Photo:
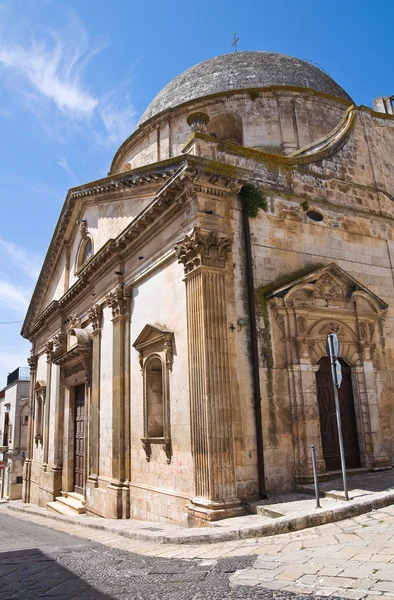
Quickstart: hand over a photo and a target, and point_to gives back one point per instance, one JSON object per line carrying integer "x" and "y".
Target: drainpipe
{"x": 255, "y": 353}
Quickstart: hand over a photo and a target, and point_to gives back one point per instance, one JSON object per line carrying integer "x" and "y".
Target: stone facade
{"x": 14, "y": 416}
{"x": 196, "y": 331}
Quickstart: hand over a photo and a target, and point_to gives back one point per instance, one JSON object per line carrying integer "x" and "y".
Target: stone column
{"x": 32, "y": 361}
{"x": 95, "y": 316}
{"x": 59, "y": 346}
{"x": 375, "y": 456}
{"x": 118, "y": 300}
{"x": 49, "y": 348}
{"x": 203, "y": 255}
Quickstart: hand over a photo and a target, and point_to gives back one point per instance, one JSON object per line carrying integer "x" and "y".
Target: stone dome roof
{"x": 241, "y": 70}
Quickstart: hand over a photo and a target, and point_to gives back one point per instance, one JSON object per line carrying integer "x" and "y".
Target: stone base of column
{"x": 306, "y": 474}
{"x": 203, "y": 509}
{"x": 115, "y": 500}
{"x": 92, "y": 480}
{"x": 380, "y": 462}
{"x": 126, "y": 500}
{"x": 26, "y": 481}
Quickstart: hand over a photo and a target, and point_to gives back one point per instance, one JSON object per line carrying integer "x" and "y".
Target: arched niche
{"x": 154, "y": 391}
{"x": 227, "y": 127}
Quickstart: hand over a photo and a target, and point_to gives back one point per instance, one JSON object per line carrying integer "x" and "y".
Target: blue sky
{"x": 75, "y": 75}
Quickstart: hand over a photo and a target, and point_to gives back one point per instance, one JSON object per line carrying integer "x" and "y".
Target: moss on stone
{"x": 264, "y": 291}
{"x": 253, "y": 198}
{"x": 304, "y": 205}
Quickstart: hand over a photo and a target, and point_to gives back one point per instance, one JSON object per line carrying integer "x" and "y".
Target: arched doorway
{"x": 328, "y": 422}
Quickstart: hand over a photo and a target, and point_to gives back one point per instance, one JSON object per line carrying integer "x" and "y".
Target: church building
{"x": 178, "y": 325}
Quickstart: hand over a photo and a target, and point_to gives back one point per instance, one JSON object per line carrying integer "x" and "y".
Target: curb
{"x": 187, "y": 537}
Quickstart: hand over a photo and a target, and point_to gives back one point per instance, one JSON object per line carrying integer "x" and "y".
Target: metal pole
{"x": 315, "y": 477}
{"x": 341, "y": 450}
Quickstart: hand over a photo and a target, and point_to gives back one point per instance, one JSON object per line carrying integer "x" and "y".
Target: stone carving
{"x": 198, "y": 121}
{"x": 206, "y": 248}
{"x": 168, "y": 352}
{"x": 75, "y": 369}
{"x": 83, "y": 226}
{"x": 95, "y": 315}
{"x": 32, "y": 362}
{"x": 301, "y": 324}
{"x": 281, "y": 323}
{"x": 305, "y": 345}
{"x": 49, "y": 350}
{"x": 117, "y": 300}
{"x": 327, "y": 287}
{"x": 363, "y": 330}
{"x": 59, "y": 342}
{"x": 147, "y": 449}
{"x": 73, "y": 321}
{"x": 168, "y": 451}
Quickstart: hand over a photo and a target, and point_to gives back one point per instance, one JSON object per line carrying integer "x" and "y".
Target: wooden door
{"x": 79, "y": 439}
{"x": 328, "y": 420}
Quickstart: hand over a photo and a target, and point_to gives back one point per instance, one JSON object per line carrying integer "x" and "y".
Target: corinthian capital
{"x": 118, "y": 300}
{"x": 32, "y": 362}
{"x": 95, "y": 316}
{"x": 207, "y": 248}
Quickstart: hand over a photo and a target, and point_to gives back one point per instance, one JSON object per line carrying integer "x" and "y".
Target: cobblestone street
{"x": 43, "y": 558}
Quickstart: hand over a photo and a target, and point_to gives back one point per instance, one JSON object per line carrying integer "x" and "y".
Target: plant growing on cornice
{"x": 304, "y": 205}
{"x": 253, "y": 198}
{"x": 253, "y": 95}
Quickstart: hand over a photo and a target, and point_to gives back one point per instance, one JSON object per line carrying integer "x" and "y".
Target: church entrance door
{"x": 328, "y": 422}
{"x": 79, "y": 439}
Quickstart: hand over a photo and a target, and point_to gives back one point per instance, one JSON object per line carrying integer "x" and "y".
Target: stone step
{"x": 61, "y": 508}
{"x": 264, "y": 511}
{"x": 72, "y": 503}
{"x": 76, "y": 496}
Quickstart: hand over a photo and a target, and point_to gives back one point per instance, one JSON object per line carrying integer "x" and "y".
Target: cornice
{"x": 158, "y": 172}
{"x": 184, "y": 182}
{"x": 224, "y": 96}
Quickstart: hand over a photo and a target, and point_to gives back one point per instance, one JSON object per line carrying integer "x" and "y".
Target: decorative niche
{"x": 39, "y": 393}
{"x": 155, "y": 351}
{"x": 85, "y": 250}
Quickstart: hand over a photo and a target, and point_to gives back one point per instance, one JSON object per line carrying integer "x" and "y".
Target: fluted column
{"x": 59, "y": 346}
{"x": 119, "y": 300}
{"x": 49, "y": 348}
{"x": 95, "y": 316}
{"x": 32, "y": 362}
{"x": 203, "y": 255}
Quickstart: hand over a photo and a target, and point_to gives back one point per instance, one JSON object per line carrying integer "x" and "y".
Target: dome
{"x": 241, "y": 70}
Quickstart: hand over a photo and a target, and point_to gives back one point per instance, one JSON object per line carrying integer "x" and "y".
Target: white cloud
{"x": 14, "y": 297}
{"x": 53, "y": 67}
{"x": 19, "y": 260}
{"x": 19, "y": 269}
{"x": 64, "y": 165}
{"x": 117, "y": 114}
{"x": 47, "y": 72}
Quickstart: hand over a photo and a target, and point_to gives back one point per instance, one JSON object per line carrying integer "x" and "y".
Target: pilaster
{"x": 49, "y": 349}
{"x": 95, "y": 317}
{"x": 203, "y": 255}
{"x": 32, "y": 362}
{"x": 119, "y": 300}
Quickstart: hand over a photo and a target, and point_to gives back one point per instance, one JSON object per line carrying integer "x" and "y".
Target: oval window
{"x": 313, "y": 215}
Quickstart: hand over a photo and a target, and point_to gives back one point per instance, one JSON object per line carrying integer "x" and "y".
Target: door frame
{"x": 354, "y": 403}
{"x": 82, "y": 488}
{"x": 69, "y": 432}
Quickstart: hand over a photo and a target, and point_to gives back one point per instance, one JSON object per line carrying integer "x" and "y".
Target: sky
{"x": 75, "y": 75}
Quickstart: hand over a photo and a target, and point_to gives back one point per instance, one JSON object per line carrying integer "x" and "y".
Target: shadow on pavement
{"x": 31, "y": 574}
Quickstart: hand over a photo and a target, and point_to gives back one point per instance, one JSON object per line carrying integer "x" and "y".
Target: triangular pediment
{"x": 152, "y": 334}
{"x": 329, "y": 284}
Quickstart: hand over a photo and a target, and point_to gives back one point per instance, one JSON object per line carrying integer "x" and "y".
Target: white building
{"x": 14, "y": 417}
